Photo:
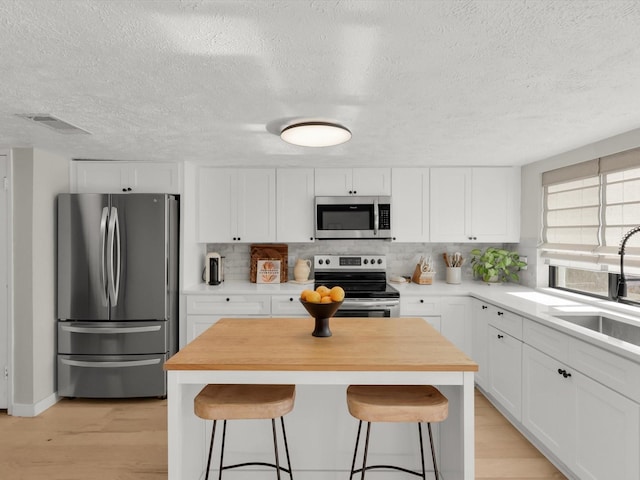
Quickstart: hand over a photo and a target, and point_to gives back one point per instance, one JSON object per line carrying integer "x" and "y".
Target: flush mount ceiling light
{"x": 315, "y": 134}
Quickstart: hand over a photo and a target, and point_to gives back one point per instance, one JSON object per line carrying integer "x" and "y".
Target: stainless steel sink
{"x": 607, "y": 326}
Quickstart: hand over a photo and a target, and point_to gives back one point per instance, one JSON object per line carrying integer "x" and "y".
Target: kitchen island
{"x": 397, "y": 351}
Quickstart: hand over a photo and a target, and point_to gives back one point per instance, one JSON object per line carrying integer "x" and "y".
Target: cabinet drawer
{"x": 547, "y": 340}
{"x": 506, "y": 321}
{"x": 229, "y": 304}
{"x": 607, "y": 368}
{"x": 419, "y": 306}
{"x": 287, "y": 305}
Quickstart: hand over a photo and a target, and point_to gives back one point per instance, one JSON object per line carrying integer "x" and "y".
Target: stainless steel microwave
{"x": 353, "y": 217}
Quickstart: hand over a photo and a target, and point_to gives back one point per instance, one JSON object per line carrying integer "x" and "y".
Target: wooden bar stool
{"x": 396, "y": 403}
{"x": 234, "y": 402}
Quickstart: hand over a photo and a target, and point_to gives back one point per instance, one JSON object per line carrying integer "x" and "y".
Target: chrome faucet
{"x": 622, "y": 282}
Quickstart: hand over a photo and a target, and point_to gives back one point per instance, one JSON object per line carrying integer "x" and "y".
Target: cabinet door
{"x": 100, "y": 177}
{"x": 456, "y": 322}
{"x": 154, "y": 177}
{"x": 410, "y": 205}
{"x": 215, "y": 205}
{"x": 295, "y": 205}
{"x": 449, "y": 204}
{"x": 479, "y": 338}
{"x": 495, "y": 204}
{"x": 333, "y": 181}
{"x": 547, "y": 403}
{"x": 607, "y": 432}
{"x": 371, "y": 181}
{"x": 505, "y": 374}
{"x": 256, "y": 200}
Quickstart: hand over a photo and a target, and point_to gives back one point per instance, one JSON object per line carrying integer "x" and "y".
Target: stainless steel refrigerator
{"x": 117, "y": 293}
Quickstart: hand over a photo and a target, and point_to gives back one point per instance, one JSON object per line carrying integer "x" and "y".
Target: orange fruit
{"x": 304, "y": 294}
{"x": 323, "y": 291}
{"x": 337, "y": 294}
{"x": 326, "y": 299}
{"x": 313, "y": 297}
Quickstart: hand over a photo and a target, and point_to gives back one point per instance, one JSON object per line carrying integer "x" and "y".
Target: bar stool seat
{"x": 396, "y": 403}
{"x": 244, "y": 402}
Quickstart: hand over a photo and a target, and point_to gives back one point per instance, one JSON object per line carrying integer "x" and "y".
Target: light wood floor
{"x": 127, "y": 440}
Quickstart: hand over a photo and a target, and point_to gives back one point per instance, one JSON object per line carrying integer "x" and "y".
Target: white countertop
{"x": 536, "y": 304}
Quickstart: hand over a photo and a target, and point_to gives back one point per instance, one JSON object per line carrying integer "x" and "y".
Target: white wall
{"x": 38, "y": 177}
{"x": 531, "y": 208}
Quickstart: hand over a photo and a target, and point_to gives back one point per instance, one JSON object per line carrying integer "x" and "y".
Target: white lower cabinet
{"x": 456, "y": 322}
{"x": 589, "y": 427}
{"x": 423, "y": 306}
{"x": 205, "y": 310}
{"x": 287, "y": 306}
{"x": 505, "y": 380}
{"x": 480, "y": 312}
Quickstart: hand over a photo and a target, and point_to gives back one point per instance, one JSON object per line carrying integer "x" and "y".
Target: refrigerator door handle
{"x": 113, "y": 246}
{"x": 103, "y": 270}
{"x": 102, "y": 330}
{"x": 132, "y": 363}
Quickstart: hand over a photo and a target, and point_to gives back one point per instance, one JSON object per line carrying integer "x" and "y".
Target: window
{"x": 588, "y": 209}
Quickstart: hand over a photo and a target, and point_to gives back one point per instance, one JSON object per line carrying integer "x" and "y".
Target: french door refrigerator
{"x": 117, "y": 293}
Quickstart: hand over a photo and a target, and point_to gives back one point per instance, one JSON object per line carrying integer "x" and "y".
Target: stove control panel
{"x": 350, "y": 262}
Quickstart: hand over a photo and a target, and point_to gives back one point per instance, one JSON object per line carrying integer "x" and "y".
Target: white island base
{"x": 320, "y": 431}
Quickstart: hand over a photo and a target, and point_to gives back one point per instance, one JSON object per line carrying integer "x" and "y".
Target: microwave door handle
{"x": 376, "y": 218}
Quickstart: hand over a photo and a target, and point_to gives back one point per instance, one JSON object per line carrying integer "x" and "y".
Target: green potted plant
{"x": 496, "y": 264}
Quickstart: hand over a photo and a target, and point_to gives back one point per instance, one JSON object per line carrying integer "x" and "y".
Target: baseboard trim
{"x": 34, "y": 409}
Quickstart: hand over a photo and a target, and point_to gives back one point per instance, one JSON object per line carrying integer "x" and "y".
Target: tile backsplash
{"x": 401, "y": 257}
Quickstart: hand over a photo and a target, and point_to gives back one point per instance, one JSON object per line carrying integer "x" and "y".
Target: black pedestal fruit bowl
{"x": 322, "y": 312}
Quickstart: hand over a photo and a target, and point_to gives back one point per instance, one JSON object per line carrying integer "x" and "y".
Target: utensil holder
{"x": 454, "y": 275}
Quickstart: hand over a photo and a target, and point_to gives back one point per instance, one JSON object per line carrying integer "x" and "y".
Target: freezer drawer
{"x": 113, "y": 338}
{"x": 111, "y": 376}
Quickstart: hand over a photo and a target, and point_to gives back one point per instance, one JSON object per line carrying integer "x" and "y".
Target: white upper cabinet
{"x": 295, "y": 204}
{"x": 480, "y": 204}
{"x": 125, "y": 177}
{"x": 410, "y": 204}
{"x": 236, "y": 205}
{"x": 352, "y": 181}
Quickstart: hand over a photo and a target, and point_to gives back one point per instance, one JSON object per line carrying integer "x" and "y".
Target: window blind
{"x": 588, "y": 207}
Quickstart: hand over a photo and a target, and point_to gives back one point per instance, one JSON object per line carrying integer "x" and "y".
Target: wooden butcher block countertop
{"x": 286, "y": 344}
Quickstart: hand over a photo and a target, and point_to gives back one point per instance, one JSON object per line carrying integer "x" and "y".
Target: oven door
{"x": 369, "y": 308}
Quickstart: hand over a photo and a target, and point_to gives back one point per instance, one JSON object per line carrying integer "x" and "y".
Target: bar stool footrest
{"x": 256, "y": 464}
{"x": 391, "y": 467}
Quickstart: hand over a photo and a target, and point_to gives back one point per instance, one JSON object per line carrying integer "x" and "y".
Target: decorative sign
{"x": 268, "y": 271}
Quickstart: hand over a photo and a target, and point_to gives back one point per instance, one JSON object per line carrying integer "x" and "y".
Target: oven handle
{"x": 370, "y": 303}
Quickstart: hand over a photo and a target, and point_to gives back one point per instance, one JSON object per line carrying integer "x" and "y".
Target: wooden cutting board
{"x": 269, "y": 251}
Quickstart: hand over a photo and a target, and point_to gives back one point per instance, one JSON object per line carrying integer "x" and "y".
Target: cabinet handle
{"x": 484, "y": 307}
{"x": 228, "y": 299}
{"x": 124, "y": 189}
{"x": 291, "y": 299}
{"x": 311, "y": 238}
{"x": 355, "y": 191}
{"x": 129, "y": 189}
{"x": 350, "y": 192}
{"x": 421, "y": 300}
{"x": 500, "y": 336}
{"x": 564, "y": 373}
{"x": 470, "y": 238}
{"x": 500, "y": 313}
{"x": 234, "y": 238}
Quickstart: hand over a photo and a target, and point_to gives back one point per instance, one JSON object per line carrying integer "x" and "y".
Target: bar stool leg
{"x": 433, "y": 453}
{"x": 366, "y": 451}
{"x": 424, "y": 472}
{"x": 355, "y": 450}
{"x": 275, "y": 447}
{"x": 286, "y": 447}
{"x": 224, "y": 434}
{"x": 213, "y": 432}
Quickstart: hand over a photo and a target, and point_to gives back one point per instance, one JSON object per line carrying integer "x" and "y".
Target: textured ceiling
{"x": 417, "y": 82}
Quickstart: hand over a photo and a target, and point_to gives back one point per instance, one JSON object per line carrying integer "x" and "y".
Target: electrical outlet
{"x": 525, "y": 260}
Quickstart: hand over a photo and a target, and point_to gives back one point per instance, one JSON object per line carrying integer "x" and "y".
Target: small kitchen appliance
{"x": 364, "y": 280}
{"x": 213, "y": 268}
{"x": 345, "y": 217}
